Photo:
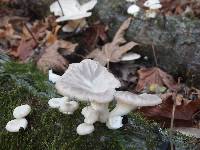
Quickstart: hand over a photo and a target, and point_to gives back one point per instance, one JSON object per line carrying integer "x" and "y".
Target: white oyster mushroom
{"x": 114, "y": 122}
{"x": 71, "y": 9}
{"x": 84, "y": 129}
{"x": 53, "y": 77}
{"x": 91, "y": 115}
{"x": 16, "y": 124}
{"x": 127, "y": 101}
{"x": 89, "y": 81}
{"x": 130, "y": 56}
{"x": 69, "y": 107}
{"x": 57, "y": 102}
{"x": 21, "y": 111}
{"x": 133, "y": 10}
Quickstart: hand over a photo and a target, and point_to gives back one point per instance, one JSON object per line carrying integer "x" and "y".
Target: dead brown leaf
{"x": 24, "y": 50}
{"x": 184, "y": 113}
{"x": 51, "y": 59}
{"x": 149, "y": 76}
{"x": 112, "y": 52}
{"x": 32, "y": 34}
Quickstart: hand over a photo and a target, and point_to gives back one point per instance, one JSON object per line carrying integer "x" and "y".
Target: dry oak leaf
{"x": 52, "y": 59}
{"x": 27, "y": 44}
{"x": 184, "y": 113}
{"x": 149, "y": 76}
{"x": 25, "y": 49}
{"x": 112, "y": 52}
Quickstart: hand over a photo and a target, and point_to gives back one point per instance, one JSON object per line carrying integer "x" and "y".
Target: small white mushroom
{"x": 114, "y": 122}
{"x": 130, "y": 56}
{"x": 133, "y": 10}
{"x": 91, "y": 115}
{"x": 84, "y": 129}
{"x": 153, "y": 6}
{"x": 16, "y": 124}
{"x": 21, "y": 111}
{"x": 69, "y": 107}
{"x": 53, "y": 77}
{"x": 127, "y": 101}
{"x": 57, "y": 102}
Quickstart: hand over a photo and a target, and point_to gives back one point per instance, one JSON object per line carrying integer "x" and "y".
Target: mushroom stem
{"x": 122, "y": 109}
{"x": 102, "y": 109}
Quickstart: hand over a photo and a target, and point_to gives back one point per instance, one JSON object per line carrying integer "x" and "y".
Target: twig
{"x": 108, "y": 65}
{"x": 60, "y": 7}
{"x": 31, "y": 33}
{"x": 154, "y": 55}
{"x": 173, "y": 114}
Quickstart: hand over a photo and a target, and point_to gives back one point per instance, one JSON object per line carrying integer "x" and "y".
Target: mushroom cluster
{"x": 89, "y": 81}
{"x": 72, "y": 11}
{"x": 19, "y": 113}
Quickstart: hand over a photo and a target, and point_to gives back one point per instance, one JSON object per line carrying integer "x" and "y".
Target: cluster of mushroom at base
{"x": 90, "y": 82}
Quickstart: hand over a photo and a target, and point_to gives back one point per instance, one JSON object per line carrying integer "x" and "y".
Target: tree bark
{"x": 176, "y": 38}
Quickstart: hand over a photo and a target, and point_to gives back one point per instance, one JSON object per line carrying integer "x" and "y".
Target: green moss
{"x": 49, "y": 129}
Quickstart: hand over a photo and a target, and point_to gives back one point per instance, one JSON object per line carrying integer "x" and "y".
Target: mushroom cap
{"x": 57, "y": 102}
{"x": 72, "y": 9}
{"x": 130, "y": 56}
{"x": 137, "y": 100}
{"x": 53, "y": 77}
{"x": 16, "y": 124}
{"x": 91, "y": 115}
{"x": 21, "y": 111}
{"x": 133, "y": 10}
{"x": 85, "y": 128}
{"x": 69, "y": 107}
{"x": 155, "y": 6}
{"x": 114, "y": 122}
{"x": 149, "y": 3}
{"x": 88, "y": 81}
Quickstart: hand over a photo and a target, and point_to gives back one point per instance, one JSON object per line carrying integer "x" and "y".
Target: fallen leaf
{"x": 112, "y": 52}
{"x": 28, "y": 43}
{"x": 7, "y": 32}
{"x": 24, "y": 50}
{"x": 149, "y": 76}
{"x": 184, "y": 113}
{"x": 52, "y": 59}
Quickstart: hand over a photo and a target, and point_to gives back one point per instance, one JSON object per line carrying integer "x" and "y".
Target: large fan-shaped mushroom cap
{"x": 88, "y": 81}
